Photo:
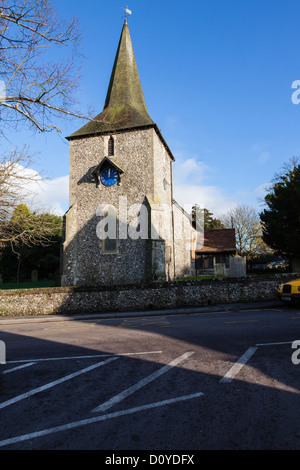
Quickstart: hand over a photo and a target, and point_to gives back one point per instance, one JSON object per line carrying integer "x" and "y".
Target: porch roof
{"x": 218, "y": 241}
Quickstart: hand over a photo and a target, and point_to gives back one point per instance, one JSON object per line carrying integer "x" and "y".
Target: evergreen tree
{"x": 32, "y": 242}
{"x": 281, "y": 218}
{"x": 210, "y": 222}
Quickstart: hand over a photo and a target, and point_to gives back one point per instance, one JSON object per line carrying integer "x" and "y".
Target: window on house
{"x": 111, "y": 147}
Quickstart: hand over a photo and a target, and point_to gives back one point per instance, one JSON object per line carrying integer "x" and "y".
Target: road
{"x": 210, "y": 380}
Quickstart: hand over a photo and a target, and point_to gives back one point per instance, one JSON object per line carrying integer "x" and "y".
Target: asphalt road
{"x": 209, "y": 380}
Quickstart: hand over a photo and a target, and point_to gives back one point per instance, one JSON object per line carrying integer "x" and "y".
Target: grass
{"x": 194, "y": 278}
{"x": 27, "y": 285}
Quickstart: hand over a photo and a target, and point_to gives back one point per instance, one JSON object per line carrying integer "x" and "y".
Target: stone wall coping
{"x": 279, "y": 278}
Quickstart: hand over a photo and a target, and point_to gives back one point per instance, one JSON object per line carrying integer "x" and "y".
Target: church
{"x": 123, "y": 225}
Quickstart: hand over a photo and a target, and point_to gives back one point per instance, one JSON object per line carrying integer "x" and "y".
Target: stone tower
{"x": 120, "y": 227}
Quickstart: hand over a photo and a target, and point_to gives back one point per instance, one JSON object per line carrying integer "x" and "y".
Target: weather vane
{"x": 127, "y": 13}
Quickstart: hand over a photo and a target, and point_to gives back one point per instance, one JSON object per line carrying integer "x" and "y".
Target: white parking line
{"x": 244, "y": 359}
{"x": 18, "y": 368}
{"x": 141, "y": 383}
{"x": 95, "y": 356}
{"x": 96, "y": 419}
{"x": 274, "y": 344}
{"x": 235, "y": 369}
{"x": 53, "y": 384}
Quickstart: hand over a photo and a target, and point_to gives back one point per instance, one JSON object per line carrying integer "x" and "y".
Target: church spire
{"x": 125, "y": 105}
{"x": 125, "y": 87}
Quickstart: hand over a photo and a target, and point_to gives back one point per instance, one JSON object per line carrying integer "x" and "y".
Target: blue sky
{"x": 217, "y": 78}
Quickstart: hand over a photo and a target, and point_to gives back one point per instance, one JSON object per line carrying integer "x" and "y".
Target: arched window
{"x": 111, "y": 147}
{"x": 110, "y": 242}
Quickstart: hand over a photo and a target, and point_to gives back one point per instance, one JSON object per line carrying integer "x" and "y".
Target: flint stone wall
{"x": 80, "y": 300}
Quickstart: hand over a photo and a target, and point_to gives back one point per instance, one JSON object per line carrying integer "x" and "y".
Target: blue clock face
{"x": 109, "y": 177}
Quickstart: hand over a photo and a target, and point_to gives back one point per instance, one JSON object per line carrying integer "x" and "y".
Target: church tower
{"x": 119, "y": 228}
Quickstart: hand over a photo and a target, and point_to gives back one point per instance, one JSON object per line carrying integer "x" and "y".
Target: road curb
{"x": 174, "y": 311}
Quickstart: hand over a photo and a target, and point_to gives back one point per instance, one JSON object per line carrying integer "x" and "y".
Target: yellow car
{"x": 289, "y": 292}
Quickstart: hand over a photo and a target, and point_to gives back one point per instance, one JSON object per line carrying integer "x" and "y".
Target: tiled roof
{"x": 218, "y": 241}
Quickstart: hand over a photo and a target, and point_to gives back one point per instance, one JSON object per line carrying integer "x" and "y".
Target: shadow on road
{"x": 50, "y": 383}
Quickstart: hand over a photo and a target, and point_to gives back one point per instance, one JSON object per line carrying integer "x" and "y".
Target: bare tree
{"x": 18, "y": 182}
{"x": 26, "y": 229}
{"x": 36, "y": 89}
{"x": 15, "y": 177}
{"x": 248, "y": 230}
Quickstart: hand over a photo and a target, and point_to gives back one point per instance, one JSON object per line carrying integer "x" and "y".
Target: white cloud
{"x": 208, "y": 197}
{"x": 53, "y": 195}
{"x": 260, "y": 146}
{"x": 261, "y": 149}
{"x": 190, "y": 187}
{"x": 260, "y": 192}
{"x": 48, "y": 195}
{"x": 191, "y": 169}
{"x": 263, "y": 157}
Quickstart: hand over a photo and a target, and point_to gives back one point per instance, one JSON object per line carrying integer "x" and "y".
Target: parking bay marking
{"x": 18, "y": 368}
{"x": 97, "y": 419}
{"x": 93, "y": 356}
{"x": 242, "y": 321}
{"x": 235, "y": 369}
{"x": 56, "y": 382}
{"x": 142, "y": 383}
{"x": 116, "y": 399}
{"x": 29, "y": 362}
{"x": 227, "y": 378}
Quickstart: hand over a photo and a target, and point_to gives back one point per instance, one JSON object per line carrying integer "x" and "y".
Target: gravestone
{"x": 220, "y": 270}
{"x": 237, "y": 266}
{"x": 34, "y": 275}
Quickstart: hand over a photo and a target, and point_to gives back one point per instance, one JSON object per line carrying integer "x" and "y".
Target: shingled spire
{"x": 125, "y": 105}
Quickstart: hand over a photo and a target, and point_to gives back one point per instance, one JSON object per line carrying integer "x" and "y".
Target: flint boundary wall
{"x": 158, "y": 296}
